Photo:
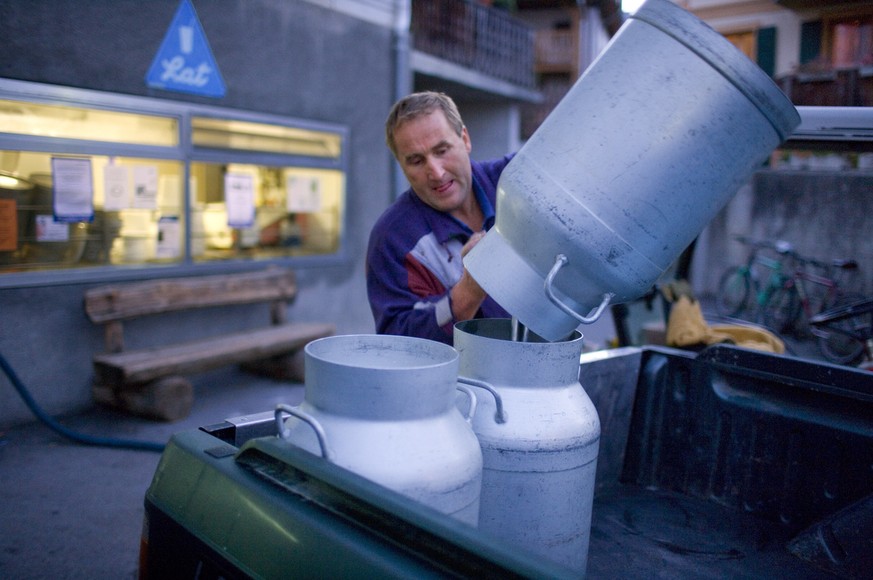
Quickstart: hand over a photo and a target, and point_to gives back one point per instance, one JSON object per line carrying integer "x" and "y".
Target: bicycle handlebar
{"x": 781, "y": 246}
{"x": 786, "y": 248}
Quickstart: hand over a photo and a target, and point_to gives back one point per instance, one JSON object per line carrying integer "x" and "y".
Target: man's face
{"x": 435, "y": 160}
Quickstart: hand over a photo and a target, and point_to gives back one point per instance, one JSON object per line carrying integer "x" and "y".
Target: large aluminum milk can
{"x": 384, "y": 407}
{"x": 644, "y": 150}
{"x": 540, "y": 436}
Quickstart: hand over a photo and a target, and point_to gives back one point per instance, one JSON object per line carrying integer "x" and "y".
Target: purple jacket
{"x": 414, "y": 260}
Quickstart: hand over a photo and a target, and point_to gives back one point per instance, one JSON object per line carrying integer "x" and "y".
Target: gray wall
{"x": 491, "y": 134}
{"x": 825, "y": 215}
{"x": 286, "y": 57}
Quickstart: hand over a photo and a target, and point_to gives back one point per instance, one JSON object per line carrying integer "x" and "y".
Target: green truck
{"x": 727, "y": 463}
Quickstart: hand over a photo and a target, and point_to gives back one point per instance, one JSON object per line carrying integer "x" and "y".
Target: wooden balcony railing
{"x": 851, "y": 87}
{"x": 557, "y": 51}
{"x": 487, "y": 40}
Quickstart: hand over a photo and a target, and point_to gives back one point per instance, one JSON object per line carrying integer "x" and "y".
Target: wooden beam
{"x": 125, "y": 301}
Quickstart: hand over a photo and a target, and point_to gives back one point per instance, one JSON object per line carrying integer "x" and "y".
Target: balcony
{"x": 553, "y": 88}
{"x": 848, "y": 87}
{"x": 557, "y": 51}
{"x": 483, "y": 39}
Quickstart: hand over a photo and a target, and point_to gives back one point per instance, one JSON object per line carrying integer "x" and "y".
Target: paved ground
{"x": 74, "y": 511}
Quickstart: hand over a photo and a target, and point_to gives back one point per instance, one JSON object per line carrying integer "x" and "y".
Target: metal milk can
{"x": 644, "y": 150}
{"x": 384, "y": 407}
{"x": 540, "y": 436}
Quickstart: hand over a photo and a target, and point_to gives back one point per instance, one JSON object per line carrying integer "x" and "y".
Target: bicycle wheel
{"x": 734, "y": 289}
{"x": 843, "y": 347}
{"x": 782, "y": 310}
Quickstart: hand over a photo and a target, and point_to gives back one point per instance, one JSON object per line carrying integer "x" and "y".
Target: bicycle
{"x": 853, "y": 322}
{"x": 758, "y": 278}
{"x": 806, "y": 293}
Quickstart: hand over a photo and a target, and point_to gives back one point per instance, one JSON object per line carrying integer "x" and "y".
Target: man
{"x": 416, "y": 280}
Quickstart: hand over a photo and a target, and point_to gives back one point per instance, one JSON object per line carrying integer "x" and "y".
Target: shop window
{"x": 245, "y": 211}
{"x": 249, "y": 136}
{"x": 128, "y": 211}
{"x": 61, "y": 121}
{"x": 127, "y": 183}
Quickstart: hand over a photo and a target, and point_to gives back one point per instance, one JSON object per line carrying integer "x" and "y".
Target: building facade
{"x": 144, "y": 140}
{"x": 136, "y": 144}
{"x": 820, "y": 53}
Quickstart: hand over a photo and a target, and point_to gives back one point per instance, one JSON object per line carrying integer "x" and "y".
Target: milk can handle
{"x": 284, "y": 432}
{"x": 561, "y": 261}
{"x": 500, "y": 414}
{"x": 473, "y": 402}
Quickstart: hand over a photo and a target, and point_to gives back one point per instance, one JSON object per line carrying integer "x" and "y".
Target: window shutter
{"x": 766, "y": 56}
{"x": 810, "y": 41}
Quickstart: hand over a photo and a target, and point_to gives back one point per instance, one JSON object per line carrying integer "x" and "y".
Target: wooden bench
{"x": 149, "y": 381}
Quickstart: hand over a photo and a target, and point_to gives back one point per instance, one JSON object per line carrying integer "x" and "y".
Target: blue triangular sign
{"x": 184, "y": 62}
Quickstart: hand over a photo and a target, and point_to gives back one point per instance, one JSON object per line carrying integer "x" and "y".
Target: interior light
{"x": 9, "y": 181}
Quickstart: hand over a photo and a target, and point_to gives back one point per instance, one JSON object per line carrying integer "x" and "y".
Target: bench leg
{"x": 166, "y": 399}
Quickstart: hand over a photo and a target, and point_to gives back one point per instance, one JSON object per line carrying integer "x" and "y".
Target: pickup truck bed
{"x": 728, "y": 463}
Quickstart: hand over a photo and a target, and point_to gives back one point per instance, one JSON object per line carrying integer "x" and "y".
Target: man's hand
{"x": 467, "y": 295}
{"x": 474, "y": 239}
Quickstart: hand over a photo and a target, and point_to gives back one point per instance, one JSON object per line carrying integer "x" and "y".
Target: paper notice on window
{"x": 8, "y": 225}
{"x": 49, "y": 230}
{"x": 239, "y": 196}
{"x": 116, "y": 188}
{"x": 303, "y": 194}
{"x": 169, "y": 238}
{"x": 73, "y": 189}
{"x": 145, "y": 187}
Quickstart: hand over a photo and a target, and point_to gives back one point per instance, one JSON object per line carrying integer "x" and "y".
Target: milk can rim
{"x": 459, "y": 326}
{"x": 442, "y": 354}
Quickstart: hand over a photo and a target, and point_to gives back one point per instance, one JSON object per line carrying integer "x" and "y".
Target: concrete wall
{"x": 824, "y": 214}
{"x": 286, "y": 57}
{"x": 493, "y": 128}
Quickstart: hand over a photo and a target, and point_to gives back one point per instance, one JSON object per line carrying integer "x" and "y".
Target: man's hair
{"x": 417, "y": 104}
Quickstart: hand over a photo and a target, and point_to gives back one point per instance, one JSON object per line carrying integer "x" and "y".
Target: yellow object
{"x": 751, "y": 337}
{"x": 687, "y": 327}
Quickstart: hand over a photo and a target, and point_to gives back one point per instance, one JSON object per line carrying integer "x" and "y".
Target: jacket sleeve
{"x": 404, "y": 296}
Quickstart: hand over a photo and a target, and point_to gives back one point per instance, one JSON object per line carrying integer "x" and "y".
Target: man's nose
{"x": 434, "y": 168}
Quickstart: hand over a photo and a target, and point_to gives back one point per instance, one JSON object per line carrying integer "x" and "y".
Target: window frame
{"x": 830, "y": 20}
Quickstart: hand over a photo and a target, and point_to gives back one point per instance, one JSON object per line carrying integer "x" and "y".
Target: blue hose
{"x": 60, "y": 429}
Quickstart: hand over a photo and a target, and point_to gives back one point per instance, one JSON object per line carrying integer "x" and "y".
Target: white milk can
{"x": 540, "y": 435}
{"x": 644, "y": 150}
{"x": 384, "y": 407}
